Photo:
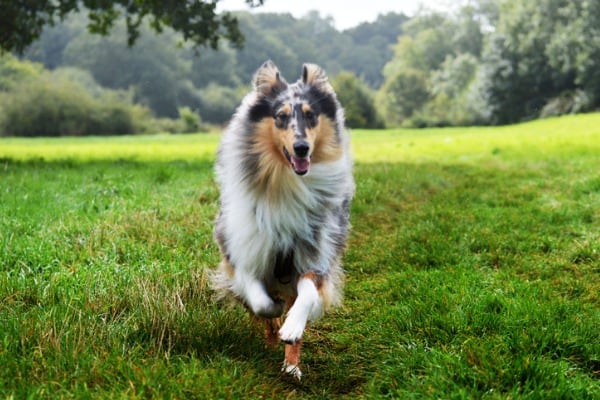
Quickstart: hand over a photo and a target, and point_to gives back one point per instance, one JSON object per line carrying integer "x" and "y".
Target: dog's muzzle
{"x": 300, "y": 160}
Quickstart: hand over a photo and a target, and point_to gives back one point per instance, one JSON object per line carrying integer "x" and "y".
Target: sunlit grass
{"x": 161, "y": 147}
{"x": 470, "y": 144}
{"x": 473, "y": 144}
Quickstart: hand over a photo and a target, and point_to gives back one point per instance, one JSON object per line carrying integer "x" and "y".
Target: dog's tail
{"x": 220, "y": 281}
{"x": 332, "y": 290}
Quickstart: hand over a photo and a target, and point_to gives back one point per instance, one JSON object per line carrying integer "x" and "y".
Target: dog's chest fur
{"x": 286, "y": 232}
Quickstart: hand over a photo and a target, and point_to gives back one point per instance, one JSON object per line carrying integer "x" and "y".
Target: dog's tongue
{"x": 300, "y": 165}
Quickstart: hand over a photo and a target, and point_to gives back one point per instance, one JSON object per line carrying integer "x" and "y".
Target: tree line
{"x": 495, "y": 62}
{"x": 162, "y": 75}
{"x": 491, "y": 62}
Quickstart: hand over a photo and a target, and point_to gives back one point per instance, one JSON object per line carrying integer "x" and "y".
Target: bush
{"x": 54, "y": 105}
{"x": 357, "y": 101}
{"x": 188, "y": 122}
{"x": 191, "y": 120}
{"x": 568, "y": 102}
{"x": 164, "y": 125}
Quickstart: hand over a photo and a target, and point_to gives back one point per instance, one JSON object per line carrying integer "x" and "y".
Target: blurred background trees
{"x": 490, "y": 62}
{"x": 495, "y": 62}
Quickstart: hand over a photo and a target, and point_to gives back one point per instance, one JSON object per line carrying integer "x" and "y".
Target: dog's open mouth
{"x": 299, "y": 165}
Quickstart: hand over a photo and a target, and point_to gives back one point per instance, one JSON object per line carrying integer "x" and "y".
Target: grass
{"x": 473, "y": 271}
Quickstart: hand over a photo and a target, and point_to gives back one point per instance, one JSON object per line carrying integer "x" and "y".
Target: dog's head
{"x": 302, "y": 115}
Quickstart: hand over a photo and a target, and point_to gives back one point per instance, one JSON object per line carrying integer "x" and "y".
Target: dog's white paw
{"x": 268, "y": 309}
{"x": 292, "y": 330}
{"x": 257, "y": 299}
{"x": 292, "y": 370}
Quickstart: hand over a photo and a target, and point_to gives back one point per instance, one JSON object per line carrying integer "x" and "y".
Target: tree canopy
{"x": 166, "y": 76}
{"x": 495, "y": 62}
{"x": 196, "y": 20}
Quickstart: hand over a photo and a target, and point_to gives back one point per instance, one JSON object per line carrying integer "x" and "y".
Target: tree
{"x": 13, "y": 71}
{"x": 429, "y": 66}
{"x": 214, "y": 66}
{"x": 263, "y": 44}
{"x": 574, "y": 48}
{"x": 403, "y": 94}
{"x": 371, "y": 47}
{"x": 542, "y": 59}
{"x": 468, "y": 37}
{"x": 154, "y": 69}
{"x": 50, "y": 46}
{"x": 450, "y": 87}
{"x": 23, "y": 21}
{"x": 217, "y": 103}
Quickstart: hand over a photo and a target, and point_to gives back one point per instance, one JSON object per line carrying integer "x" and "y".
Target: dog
{"x": 284, "y": 171}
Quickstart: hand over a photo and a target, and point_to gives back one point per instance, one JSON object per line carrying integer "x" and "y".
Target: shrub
{"x": 568, "y": 102}
{"x": 357, "y": 101}
{"x": 51, "y": 105}
{"x": 40, "y": 108}
{"x": 164, "y": 125}
{"x": 188, "y": 122}
{"x": 191, "y": 120}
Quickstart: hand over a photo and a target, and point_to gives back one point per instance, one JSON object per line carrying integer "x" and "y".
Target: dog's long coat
{"x": 285, "y": 176}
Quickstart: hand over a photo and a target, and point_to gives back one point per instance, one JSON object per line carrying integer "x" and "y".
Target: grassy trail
{"x": 473, "y": 271}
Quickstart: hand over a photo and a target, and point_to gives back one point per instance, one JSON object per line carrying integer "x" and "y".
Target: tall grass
{"x": 473, "y": 271}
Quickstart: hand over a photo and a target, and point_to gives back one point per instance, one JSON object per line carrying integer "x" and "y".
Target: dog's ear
{"x": 314, "y": 75}
{"x": 268, "y": 81}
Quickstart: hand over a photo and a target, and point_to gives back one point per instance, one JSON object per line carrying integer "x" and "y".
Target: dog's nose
{"x": 301, "y": 149}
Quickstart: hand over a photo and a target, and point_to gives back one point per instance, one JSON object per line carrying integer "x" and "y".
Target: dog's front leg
{"x": 308, "y": 306}
{"x": 292, "y": 359}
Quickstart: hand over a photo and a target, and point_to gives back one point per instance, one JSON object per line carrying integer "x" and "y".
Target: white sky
{"x": 346, "y": 14}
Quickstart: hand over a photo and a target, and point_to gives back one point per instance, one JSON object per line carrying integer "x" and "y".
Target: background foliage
{"x": 491, "y": 62}
{"x": 495, "y": 62}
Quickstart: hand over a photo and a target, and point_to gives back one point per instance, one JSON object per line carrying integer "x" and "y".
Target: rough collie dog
{"x": 285, "y": 176}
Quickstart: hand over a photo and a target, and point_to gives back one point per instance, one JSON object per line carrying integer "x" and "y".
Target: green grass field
{"x": 473, "y": 271}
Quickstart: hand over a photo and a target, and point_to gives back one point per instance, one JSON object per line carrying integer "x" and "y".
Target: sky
{"x": 346, "y": 14}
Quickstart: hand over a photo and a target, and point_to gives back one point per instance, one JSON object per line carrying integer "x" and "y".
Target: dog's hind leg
{"x": 271, "y": 327}
{"x": 308, "y": 306}
{"x": 292, "y": 360}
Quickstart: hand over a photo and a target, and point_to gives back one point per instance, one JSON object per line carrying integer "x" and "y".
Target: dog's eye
{"x": 281, "y": 118}
{"x": 311, "y": 117}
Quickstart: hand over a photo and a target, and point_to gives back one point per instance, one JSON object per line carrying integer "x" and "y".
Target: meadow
{"x": 473, "y": 271}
